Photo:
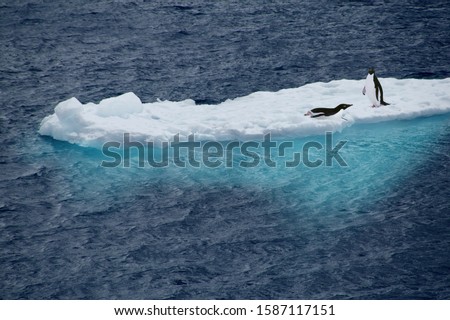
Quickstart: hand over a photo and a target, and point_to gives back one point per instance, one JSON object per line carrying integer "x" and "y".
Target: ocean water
{"x": 71, "y": 229}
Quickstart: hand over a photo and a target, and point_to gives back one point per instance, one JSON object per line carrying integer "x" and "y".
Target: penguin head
{"x": 371, "y": 70}
{"x": 344, "y": 106}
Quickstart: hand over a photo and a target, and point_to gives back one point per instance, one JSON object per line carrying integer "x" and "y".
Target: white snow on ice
{"x": 281, "y": 113}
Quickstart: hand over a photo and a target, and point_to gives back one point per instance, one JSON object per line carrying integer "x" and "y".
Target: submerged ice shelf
{"x": 281, "y": 113}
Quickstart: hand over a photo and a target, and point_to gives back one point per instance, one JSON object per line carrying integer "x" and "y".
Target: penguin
{"x": 374, "y": 90}
{"x": 326, "y": 112}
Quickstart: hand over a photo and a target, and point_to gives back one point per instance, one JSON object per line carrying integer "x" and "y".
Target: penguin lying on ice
{"x": 374, "y": 90}
{"x": 319, "y": 112}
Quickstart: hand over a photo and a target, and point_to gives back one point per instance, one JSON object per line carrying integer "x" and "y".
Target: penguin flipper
{"x": 320, "y": 110}
{"x": 378, "y": 88}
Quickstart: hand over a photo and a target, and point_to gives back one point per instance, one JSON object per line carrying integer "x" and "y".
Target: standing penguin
{"x": 374, "y": 90}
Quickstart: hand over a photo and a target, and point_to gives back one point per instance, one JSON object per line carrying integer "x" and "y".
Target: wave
{"x": 280, "y": 113}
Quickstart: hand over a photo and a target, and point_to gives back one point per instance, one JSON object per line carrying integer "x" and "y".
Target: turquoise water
{"x": 377, "y": 156}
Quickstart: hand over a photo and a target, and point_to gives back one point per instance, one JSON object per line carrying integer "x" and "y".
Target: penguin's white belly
{"x": 370, "y": 91}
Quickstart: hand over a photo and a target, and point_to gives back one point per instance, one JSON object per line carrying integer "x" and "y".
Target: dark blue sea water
{"x": 71, "y": 229}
